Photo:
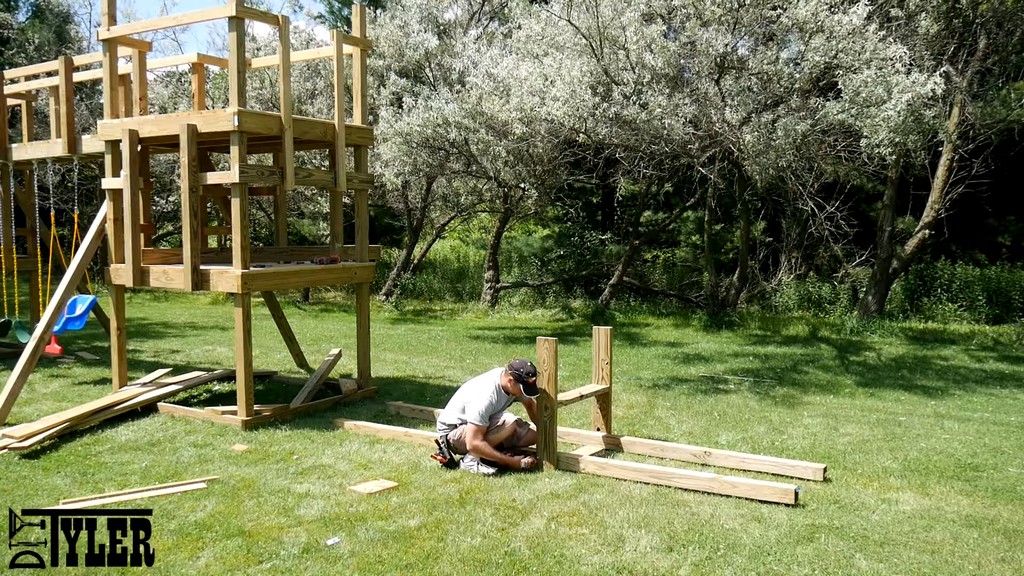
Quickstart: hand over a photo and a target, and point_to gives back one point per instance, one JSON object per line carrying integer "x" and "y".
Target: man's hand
{"x": 527, "y": 462}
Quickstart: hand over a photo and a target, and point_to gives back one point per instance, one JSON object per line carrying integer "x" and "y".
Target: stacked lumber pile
{"x": 146, "y": 391}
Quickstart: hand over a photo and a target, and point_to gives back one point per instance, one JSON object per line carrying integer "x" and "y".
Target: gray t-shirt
{"x": 475, "y": 402}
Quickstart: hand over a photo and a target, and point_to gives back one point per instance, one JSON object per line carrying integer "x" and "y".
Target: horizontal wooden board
{"x": 581, "y": 393}
{"x": 269, "y": 254}
{"x": 373, "y": 486}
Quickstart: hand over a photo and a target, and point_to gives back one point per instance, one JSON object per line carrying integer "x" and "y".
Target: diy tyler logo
{"x": 88, "y": 538}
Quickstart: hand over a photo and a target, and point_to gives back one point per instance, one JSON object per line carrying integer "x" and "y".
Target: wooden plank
{"x": 163, "y": 22}
{"x": 259, "y": 409}
{"x": 79, "y": 412}
{"x": 547, "y": 405}
{"x": 661, "y": 475}
{"x": 138, "y": 490}
{"x": 601, "y": 375}
{"x": 156, "y": 256}
{"x": 190, "y": 208}
{"x": 423, "y": 437}
{"x": 661, "y": 449}
{"x": 139, "y": 495}
{"x": 339, "y": 160}
{"x": 118, "y": 336}
{"x": 697, "y": 454}
{"x": 587, "y": 450}
{"x": 582, "y": 393}
{"x": 197, "y": 414}
{"x": 285, "y": 83}
{"x": 749, "y": 488}
{"x": 198, "y": 70}
{"x": 152, "y": 376}
{"x": 281, "y": 321}
{"x": 34, "y": 349}
{"x": 132, "y": 206}
{"x": 242, "y": 11}
{"x": 373, "y": 486}
{"x": 244, "y": 390}
{"x": 243, "y": 174}
{"x": 317, "y": 378}
{"x": 140, "y": 84}
{"x": 66, "y": 96}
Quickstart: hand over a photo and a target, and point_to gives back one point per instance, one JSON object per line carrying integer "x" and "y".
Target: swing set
{"x": 76, "y": 312}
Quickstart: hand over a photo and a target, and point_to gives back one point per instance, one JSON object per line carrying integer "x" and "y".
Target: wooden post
{"x": 339, "y": 160}
{"x": 285, "y": 73}
{"x": 131, "y": 206}
{"x": 4, "y": 136}
{"x": 547, "y": 402}
{"x": 28, "y": 207}
{"x": 190, "y": 242}
{"x": 360, "y": 116}
{"x": 280, "y": 207}
{"x": 240, "y": 250}
{"x": 108, "y": 18}
{"x": 601, "y": 373}
{"x": 198, "y": 86}
{"x": 66, "y": 96}
{"x": 140, "y": 84}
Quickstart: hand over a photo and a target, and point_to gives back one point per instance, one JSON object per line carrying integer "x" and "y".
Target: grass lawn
{"x": 922, "y": 427}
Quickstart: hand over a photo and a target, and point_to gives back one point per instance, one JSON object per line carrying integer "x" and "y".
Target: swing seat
{"x": 75, "y": 313}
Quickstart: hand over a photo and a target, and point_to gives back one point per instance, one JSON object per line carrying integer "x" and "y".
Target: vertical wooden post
{"x": 601, "y": 373}
{"x": 547, "y": 402}
{"x": 339, "y": 160}
{"x": 360, "y": 115}
{"x": 108, "y": 18}
{"x": 28, "y": 121}
{"x": 131, "y": 206}
{"x": 190, "y": 246}
{"x": 66, "y": 96}
{"x": 285, "y": 72}
{"x": 28, "y": 207}
{"x": 4, "y": 136}
{"x": 140, "y": 84}
{"x": 198, "y": 86}
{"x": 280, "y": 207}
{"x": 240, "y": 250}
{"x": 115, "y": 214}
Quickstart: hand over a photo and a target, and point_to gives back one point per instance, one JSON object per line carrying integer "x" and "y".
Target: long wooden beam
{"x": 661, "y": 449}
{"x": 317, "y": 378}
{"x": 290, "y": 341}
{"x": 761, "y": 490}
{"x": 66, "y": 288}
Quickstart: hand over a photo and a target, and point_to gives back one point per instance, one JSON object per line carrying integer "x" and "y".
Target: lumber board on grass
{"x": 138, "y": 495}
{"x": 373, "y": 486}
{"x": 317, "y": 379}
{"x": 155, "y": 395}
{"x": 581, "y": 393}
{"x": 152, "y": 376}
{"x": 662, "y": 449}
{"x": 79, "y": 412}
{"x": 697, "y": 454}
{"x": 137, "y": 490}
{"x": 258, "y": 408}
{"x": 763, "y": 490}
{"x": 588, "y": 450}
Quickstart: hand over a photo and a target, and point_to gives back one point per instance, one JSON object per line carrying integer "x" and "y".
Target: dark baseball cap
{"x": 525, "y": 374}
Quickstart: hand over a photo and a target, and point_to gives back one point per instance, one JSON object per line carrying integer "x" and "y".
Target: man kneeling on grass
{"x": 475, "y": 423}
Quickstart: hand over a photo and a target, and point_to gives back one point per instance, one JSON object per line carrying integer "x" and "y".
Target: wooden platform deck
{"x": 260, "y": 277}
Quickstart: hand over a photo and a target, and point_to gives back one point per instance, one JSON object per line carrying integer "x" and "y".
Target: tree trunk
{"x": 881, "y": 281}
{"x": 740, "y": 279}
{"x": 492, "y": 264}
{"x": 625, "y": 262}
{"x": 414, "y": 223}
{"x": 872, "y": 303}
{"x": 712, "y": 288}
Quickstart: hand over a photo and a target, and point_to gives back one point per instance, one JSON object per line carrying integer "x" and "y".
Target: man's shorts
{"x": 457, "y": 437}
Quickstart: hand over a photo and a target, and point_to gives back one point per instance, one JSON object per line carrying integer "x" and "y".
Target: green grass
{"x": 922, "y": 427}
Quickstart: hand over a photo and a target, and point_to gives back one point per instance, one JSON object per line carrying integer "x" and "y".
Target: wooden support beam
{"x": 547, "y": 403}
{"x": 133, "y": 494}
{"x": 198, "y": 70}
{"x": 285, "y": 82}
{"x": 118, "y": 336}
{"x": 132, "y": 206}
{"x": 244, "y": 389}
{"x": 290, "y": 341}
{"x": 140, "y": 84}
{"x": 601, "y": 375}
{"x": 317, "y": 379}
{"x": 66, "y": 105}
{"x": 582, "y": 393}
{"x": 661, "y": 449}
{"x": 191, "y": 244}
{"x": 34, "y": 349}
{"x": 339, "y": 160}
{"x": 109, "y": 49}
{"x": 5, "y": 154}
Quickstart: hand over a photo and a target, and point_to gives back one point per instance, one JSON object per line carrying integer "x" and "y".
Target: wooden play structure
{"x": 587, "y": 459}
{"x": 227, "y": 156}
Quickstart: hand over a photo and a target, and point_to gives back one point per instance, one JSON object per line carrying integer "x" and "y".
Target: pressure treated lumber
{"x": 281, "y": 321}
{"x": 34, "y": 348}
{"x": 317, "y": 379}
{"x": 661, "y": 449}
{"x": 601, "y": 375}
{"x": 582, "y": 393}
{"x": 762, "y": 490}
{"x": 134, "y": 494}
